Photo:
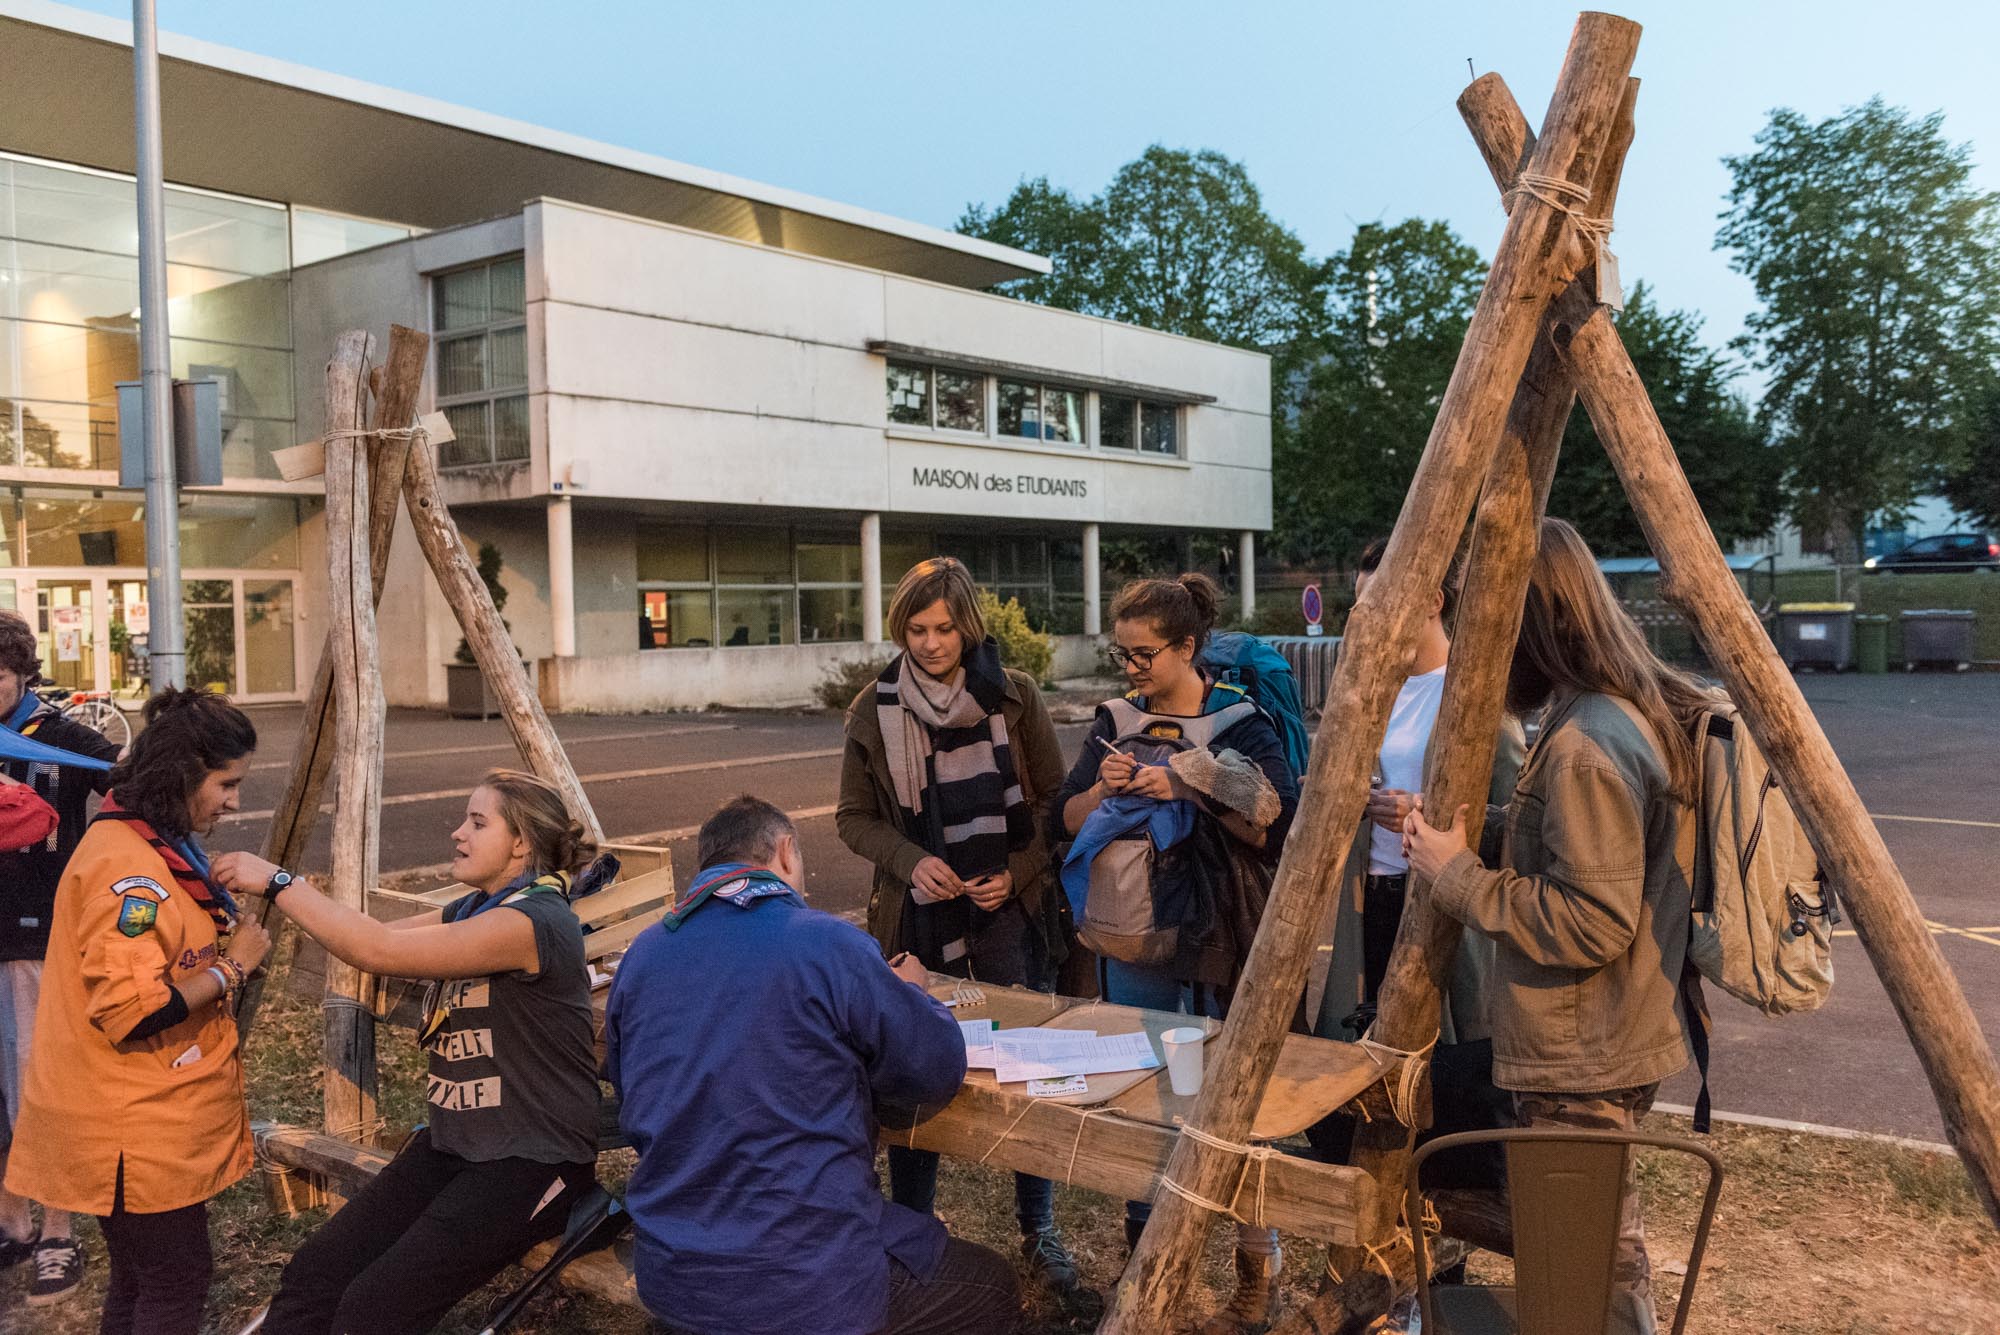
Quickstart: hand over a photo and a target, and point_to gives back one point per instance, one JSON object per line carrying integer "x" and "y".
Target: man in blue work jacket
{"x": 750, "y": 1039}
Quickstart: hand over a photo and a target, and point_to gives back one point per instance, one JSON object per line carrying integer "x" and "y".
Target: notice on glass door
{"x": 68, "y": 624}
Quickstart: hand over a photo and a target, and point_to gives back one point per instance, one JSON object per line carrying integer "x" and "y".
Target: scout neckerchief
{"x": 736, "y": 883}
{"x": 185, "y": 859}
{"x": 16, "y": 744}
{"x": 525, "y": 886}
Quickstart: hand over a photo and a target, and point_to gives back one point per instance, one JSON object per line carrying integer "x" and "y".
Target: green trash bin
{"x": 1871, "y": 643}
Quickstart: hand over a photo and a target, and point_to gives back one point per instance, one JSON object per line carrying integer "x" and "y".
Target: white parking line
{"x": 612, "y": 776}
{"x": 509, "y": 746}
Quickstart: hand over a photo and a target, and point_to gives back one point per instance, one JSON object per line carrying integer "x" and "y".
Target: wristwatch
{"x": 279, "y": 880}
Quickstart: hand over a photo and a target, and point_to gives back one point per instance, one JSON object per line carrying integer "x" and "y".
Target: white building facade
{"x": 705, "y": 423}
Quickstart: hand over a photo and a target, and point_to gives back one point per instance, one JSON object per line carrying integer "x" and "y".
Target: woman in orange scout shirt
{"x": 133, "y": 1105}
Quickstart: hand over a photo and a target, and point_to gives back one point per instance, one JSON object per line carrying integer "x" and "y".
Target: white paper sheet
{"x": 1091, "y": 1056}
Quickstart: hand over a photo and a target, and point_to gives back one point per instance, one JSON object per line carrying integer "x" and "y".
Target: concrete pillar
{"x": 1246, "y": 570}
{"x": 562, "y": 578}
{"x": 871, "y": 578}
{"x": 1093, "y": 579}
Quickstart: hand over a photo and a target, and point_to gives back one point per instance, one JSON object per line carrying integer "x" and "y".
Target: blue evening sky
{"x": 1343, "y": 113}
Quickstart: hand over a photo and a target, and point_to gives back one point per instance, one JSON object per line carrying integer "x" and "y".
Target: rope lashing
{"x": 1403, "y": 1095}
{"x": 1260, "y": 1155}
{"x": 1568, "y": 198}
{"x": 409, "y": 433}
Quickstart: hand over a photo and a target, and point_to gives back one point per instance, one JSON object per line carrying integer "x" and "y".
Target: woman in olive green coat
{"x": 949, "y": 763}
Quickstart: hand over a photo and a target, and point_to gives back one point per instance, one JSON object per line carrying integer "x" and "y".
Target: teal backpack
{"x": 1261, "y": 672}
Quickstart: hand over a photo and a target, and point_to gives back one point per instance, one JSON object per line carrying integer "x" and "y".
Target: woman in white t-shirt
{"x": 1374, "y": 882}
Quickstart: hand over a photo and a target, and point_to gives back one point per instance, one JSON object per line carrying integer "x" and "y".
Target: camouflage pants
{"x": 1609, "y": 1110}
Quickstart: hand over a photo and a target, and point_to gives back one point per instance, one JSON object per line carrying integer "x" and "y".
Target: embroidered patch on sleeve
{"x": 133, "y": 885}
{"x": 137, "y": 915}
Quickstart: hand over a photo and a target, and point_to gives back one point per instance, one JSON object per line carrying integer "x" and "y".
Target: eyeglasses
{"x": 1143, "y": 658}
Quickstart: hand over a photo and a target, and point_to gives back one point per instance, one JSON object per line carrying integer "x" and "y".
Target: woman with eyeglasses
{"x": 1185, "y": 778}
{"x": 512, "y": 1090}
{"x": 949, "y": 758}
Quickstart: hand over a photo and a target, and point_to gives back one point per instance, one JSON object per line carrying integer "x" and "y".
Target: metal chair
{"x": 1566, "y": 1188}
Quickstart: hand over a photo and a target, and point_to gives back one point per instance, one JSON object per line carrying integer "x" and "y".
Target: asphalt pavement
{"x": 1920, "y": 750}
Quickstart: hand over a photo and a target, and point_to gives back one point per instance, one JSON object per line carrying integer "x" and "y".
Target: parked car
{"x": 1946, "y": 551}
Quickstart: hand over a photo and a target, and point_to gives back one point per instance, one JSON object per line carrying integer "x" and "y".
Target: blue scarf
{"x": 527, "y": 883}
{"x": 736, "y": 883}
{"x": 14, "y": 746}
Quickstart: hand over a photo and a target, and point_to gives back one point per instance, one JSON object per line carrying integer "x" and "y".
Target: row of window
{"x": 744, "y": 584}
{"x": 936, "y": 398}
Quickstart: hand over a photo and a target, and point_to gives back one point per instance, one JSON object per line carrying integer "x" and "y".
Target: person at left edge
{"x": 30, "y": 870}
{"x": 512, "y": 1088}
{"x": 132, "y": 1109}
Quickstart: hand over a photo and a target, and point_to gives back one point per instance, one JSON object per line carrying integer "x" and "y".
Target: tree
{"x": 1352, "y": 421}
{"x": 1878, "y": 267}
{"x": 1974, "y": 488}
{"x": 1179, "y": 241}
{"x": 1720, "y": 441}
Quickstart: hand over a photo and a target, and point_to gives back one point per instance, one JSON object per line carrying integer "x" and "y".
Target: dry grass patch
{"x": 1815, "y": 1236}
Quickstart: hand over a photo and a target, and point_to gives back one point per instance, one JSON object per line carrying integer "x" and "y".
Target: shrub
{"x": 1022, "y": 647}
{"x": 489, "y": 575}
{"x": 844, "y": 680}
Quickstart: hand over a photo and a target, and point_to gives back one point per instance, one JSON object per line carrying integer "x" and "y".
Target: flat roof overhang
{"x": 249, "y": 125}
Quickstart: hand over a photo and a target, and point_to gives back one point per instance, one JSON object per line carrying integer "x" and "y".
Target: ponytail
{"x": 1180, "y": 609}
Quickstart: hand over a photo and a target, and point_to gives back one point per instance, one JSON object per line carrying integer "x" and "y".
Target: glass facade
{"x": 69, "y": 314}
{"x": 736, "y": 585}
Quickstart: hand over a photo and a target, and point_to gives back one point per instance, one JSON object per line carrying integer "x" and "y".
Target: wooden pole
{"x": 1461, "y": 761}
{"x": 312, "y": 753}
{"x": 499, "y": 662}
{"x": 1528, "y": 270}
{"x": 349, "y": 1051}
{"x": 1696, "y": 579}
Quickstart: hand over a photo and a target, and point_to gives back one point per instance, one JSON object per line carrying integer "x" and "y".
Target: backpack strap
{"x": 1694, "y": 1006}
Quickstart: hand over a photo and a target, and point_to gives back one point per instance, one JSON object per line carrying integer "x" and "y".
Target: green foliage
{"x": 846, "y": 679}
{"x": 1974, "y": 487}
{"x": 1179, "y": 241}
{"x": 1878, "y": 266}
{"x": 1353, "y": 422}
{"x": 1719, "y": 440}
{"x": 489, "y": 575}
{"x": 1022, "y": 647}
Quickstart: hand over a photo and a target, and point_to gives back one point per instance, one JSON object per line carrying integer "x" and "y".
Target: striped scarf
{"x": 186, "y": 860}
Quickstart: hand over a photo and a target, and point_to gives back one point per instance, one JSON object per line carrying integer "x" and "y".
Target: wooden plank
{"x": 1124, "y": 1159}
{"x": 349, "y": 1075}
{"x": 1528, "y": 270}
{"x": 1313, "y": 1077}
{"x": 499, "y": 661}
{"x": 619, "y": 935}
{"x": 1694, "y": 576}
{"x": 654, "y": 889}
{"x": 638, "y": 859}
{"x": 297, "y": 811}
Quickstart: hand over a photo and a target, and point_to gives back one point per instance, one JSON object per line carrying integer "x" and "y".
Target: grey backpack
{"x": 1123, "y": 919}
{"x": 1762, "y": 922}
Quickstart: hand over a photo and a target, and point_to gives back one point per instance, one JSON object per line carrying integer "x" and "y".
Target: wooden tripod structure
{"x": 1539, "y": 338}
{"x": 369, "y": 471}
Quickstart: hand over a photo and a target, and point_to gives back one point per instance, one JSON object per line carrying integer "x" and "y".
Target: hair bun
{"x": 1202, "y": 591}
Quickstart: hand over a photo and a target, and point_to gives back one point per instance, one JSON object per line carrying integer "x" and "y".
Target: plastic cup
{"x": 1183, "y": 1049}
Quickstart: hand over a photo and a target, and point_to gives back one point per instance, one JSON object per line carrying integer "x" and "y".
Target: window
{"x": 1020, "y": 410}
{"x": 961, "y": 401}
{"x": 1159, "y": 429}
{"x": 909, "y": 395}
{"x": 480, "y": 315}
{"x": 735, "y": 585}
{"x": 69, "y": 307}
{"x": 1117, "y": 422}
{"x": 1041, "y": 412}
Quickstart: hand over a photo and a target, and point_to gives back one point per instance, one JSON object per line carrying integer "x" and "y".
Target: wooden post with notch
{"x": 349, "y": 1050}
{"x": 297, "y": 812}
{"x": 1531, "y": 265}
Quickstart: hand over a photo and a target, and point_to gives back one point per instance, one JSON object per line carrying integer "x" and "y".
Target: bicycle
{"x": 94, "y": 710}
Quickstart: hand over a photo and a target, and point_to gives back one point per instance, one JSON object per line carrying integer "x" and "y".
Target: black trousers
{"x": 160, "y": 1266}
{"x": 430, "y": 1228}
